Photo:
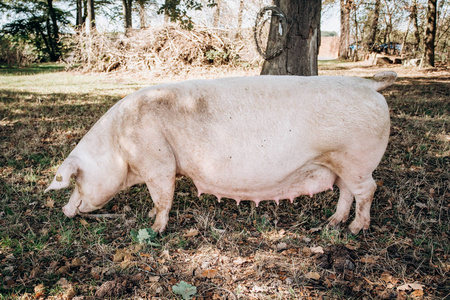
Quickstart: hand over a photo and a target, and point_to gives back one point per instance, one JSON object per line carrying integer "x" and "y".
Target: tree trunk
{"x": 51, "y": 42}
{"x": 127, "y": 14}
{"x": 51, "y": 12}
{"x": 344, "y": 41}
{"x": 402, "y": 49}
{"x": 374, "y": 27}
{"x": 216, "y": 20}
{"x": 416, "y": 25}
{"x": 239, "y": 19}
{"x": 90, "y": 20}
{"x": 79, "y": 18}
{"x": 430, "y": 35}
{"x": 52, "y": 32}
{"x": 300, "y": 43}
{"x": 44, "y": 38}
{"x": 142, "y": 14}
{"x": 354, "y": 52}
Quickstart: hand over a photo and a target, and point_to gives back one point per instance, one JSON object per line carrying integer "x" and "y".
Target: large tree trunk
{"x": 53, "y": 32}
{"x": 430, "y": 35}
{"x": 239, "y": 19}
{"x": 51, "y": 42}
{"x": 301, "y": 43}
{"x": 90, "y": 20}
{"x": 416, "y": 25}
{"x": 216, "y": 18}
{"x": 127, "y": 14}
{"x": 51, "y": 12}
{"x": 79, "y": 18}
{"x": 344, "y": 41}
{"x": 142, "y": 14}
{"x": 374, "y": 27}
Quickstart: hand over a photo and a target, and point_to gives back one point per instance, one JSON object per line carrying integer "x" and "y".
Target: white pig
{"x": 249, "y": 138}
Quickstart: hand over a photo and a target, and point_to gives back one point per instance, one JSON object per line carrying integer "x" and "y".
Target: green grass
{"x": 45, "y": 111}
{"x": 33, "y": 69}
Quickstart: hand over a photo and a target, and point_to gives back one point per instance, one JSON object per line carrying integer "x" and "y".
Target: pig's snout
{"x": 70, "y": 211}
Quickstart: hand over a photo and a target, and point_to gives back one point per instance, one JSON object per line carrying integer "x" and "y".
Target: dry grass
{"x": 226, "y": 251}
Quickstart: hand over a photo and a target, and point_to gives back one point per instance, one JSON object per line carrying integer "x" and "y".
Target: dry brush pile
{"x": 159, "y": 49}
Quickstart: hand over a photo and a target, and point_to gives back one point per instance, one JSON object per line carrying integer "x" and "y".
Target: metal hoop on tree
{"x": 261, "y": 30}
{"x": 293, "y": 38}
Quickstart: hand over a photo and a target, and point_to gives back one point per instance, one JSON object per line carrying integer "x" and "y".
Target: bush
{"x": 150, "y": 49}
{"x": 15, "y": 52}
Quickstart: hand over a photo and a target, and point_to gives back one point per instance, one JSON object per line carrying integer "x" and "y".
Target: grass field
{"x": 224, "y": 250}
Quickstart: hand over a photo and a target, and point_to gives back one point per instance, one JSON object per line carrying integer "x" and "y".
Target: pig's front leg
{"x": 161, "y": 190}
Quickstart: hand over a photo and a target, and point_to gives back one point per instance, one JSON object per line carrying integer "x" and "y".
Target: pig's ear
{"x": 62, "y": 178}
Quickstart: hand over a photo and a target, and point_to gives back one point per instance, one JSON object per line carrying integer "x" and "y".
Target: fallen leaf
{"x": 62, "y": 282}
{"x": 281, "y": 246}
{"x": 313, "y": 275}
{"x": 352, "y": 247}
{"x": 421, "y": 205}
{"x": 315, "y": 229}
{"x": 39, "y": 291}
{"x": 35, "y": 272}
{"x": 122, "y": 255}
{"x": 154, "y": 278}
{"x": 210, "y": 273}
{"x": 318, "y": 249}
{"x": 239, "y": 261}
{"x": 410, "y": 286}
{"x": 76, "y": 262}
{"x": 49, "y": 202}
{"x": 191, "y": 233}
{"x": 369, "y": 259}
{"x": 112, "y": 288}
{"x": 386, "y": 277}
{"x": 62, "y": 270}
{"x": 306, "y": 239}
{"x": 84, "y": 222}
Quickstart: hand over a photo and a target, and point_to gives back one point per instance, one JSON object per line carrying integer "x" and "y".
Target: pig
{"x": 249, "y": 138}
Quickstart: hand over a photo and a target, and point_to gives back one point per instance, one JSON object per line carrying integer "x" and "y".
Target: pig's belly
{"x": 306, "y": 180}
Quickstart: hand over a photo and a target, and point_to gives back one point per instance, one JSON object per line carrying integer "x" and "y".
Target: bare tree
{"x": 217, "y": 11}
{"x": 142, "y": 14}
{"x": 300, "y": 46}
{"x": 430, "y": 35}
{"x": 415, "y": 21}
{"x": 79, "y": 18}
{"x": 344, "y": 41}
{"x": 90, "y": 20}
{"x": 374, "y": 26}
{"x": 127, "y": 17}
{"x": 239, "y": 18}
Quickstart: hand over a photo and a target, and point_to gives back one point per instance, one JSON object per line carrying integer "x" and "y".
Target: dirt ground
{"x": 224, "y": 250}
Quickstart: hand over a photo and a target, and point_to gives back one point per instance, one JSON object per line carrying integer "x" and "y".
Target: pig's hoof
{"x": 158, "y": 227}
{"x": 355, "y": 227}
{"x": 336, "y": 219}
{"x": 152, "y": 213}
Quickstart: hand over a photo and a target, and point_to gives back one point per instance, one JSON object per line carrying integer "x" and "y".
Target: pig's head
{"x": 96, "y": 182}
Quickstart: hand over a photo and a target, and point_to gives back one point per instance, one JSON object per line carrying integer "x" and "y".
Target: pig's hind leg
{"x": 344, "y": 204}
{"x": 363, "y": 189}
{"x": 354, "y": 179}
